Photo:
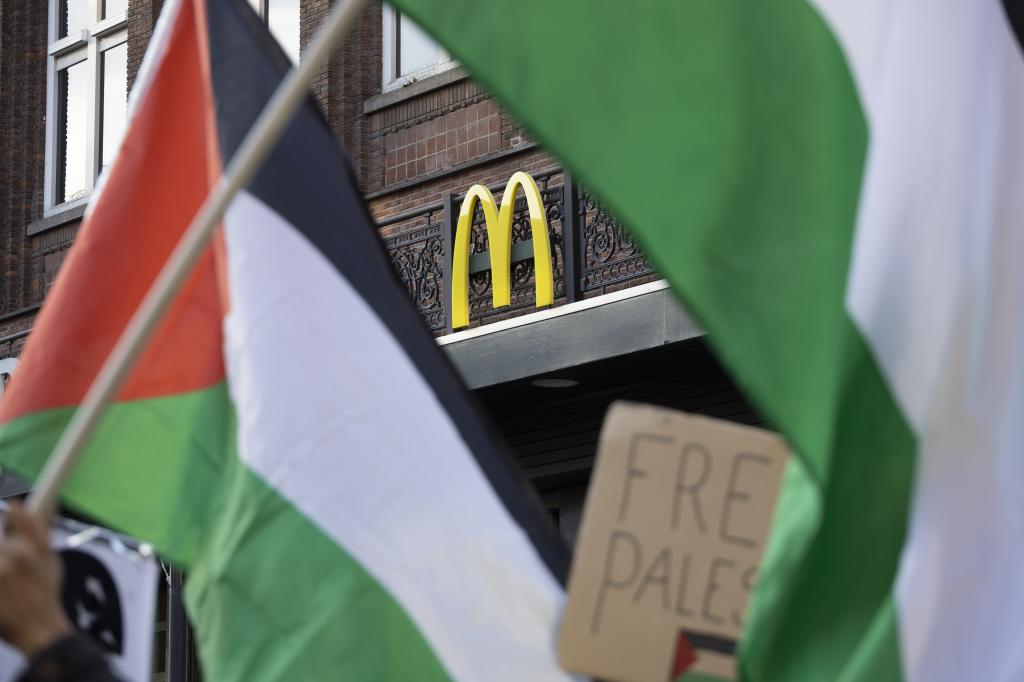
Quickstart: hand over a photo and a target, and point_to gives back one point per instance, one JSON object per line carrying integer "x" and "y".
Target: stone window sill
{"x": 414, "y": 89}
{"x": 55, "y": 220}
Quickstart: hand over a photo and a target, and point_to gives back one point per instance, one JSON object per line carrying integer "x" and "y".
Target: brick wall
{"x": 410, "y": 148}
{"x": 23, "y": 42}
{"x": 442, "y": 142}
{"x": 142, "y": 17}
{"x": 430, "y": 190}
{"x": 312, "y": 14}
{"x": 351, "y": 75}
{"x": 49, "y": 249}
{"x": 436, "y": 132}
{"x": 13, "y": 333}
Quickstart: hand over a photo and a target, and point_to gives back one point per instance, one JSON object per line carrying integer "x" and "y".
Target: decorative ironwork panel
{"x": 610, "y": 254}
{"x": 417, "y": 248}
{"x": 523, "y": 292}
{"x": 418, "y": 256}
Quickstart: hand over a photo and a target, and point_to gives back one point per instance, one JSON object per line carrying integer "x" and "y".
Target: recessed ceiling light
{"x": 554, "y": 382}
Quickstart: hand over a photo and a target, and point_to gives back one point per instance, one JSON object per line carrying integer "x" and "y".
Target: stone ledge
{"x": 615, "y": 324}
{"x": 55, "y": 220}
{"x": 406, "y": 92}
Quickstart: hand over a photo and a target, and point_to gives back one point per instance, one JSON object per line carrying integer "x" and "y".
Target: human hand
{"x": 31, "y": 616}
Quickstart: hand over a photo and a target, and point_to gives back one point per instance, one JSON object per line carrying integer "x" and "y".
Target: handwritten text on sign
{"x": 672, "y": 535}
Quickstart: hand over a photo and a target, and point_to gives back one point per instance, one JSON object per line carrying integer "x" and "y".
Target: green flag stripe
{"x": 273, "y": 585}
{"x": 699, "y": 677}
{"x": 136, "y": 457}
{"x": 263, "y": 579}
{"x": 729, "y": 137}
{"x": 824, "y": 590}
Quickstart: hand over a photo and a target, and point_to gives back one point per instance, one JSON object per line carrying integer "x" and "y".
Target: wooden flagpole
{"x": 247, "y": 160}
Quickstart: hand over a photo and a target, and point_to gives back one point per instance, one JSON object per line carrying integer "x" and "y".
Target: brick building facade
{"x": 418, "y": 138}
{"x": 412, "y": 146}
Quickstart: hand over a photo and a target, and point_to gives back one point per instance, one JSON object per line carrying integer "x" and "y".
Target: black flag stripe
{"x": 1015, "y": 14}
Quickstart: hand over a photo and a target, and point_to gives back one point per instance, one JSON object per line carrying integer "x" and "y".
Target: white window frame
{"x": 389, "y": 64}
{"x": 262, "y": 9}
{"x": 86, "y": 45}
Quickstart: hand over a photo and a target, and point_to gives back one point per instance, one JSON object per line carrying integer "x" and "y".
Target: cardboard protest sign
{"x": 673, "y": 530}
{"x": 109, "y": 593}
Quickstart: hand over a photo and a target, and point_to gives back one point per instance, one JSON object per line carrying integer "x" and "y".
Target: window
{"x": 87, "y": 98}
{"x": 409, "y": 53}
{"x": 282, "y": 17}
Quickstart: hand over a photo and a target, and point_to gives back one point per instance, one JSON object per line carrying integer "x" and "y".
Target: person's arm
{"x": 31, "y": 617}
{"x": 72, "y": 657}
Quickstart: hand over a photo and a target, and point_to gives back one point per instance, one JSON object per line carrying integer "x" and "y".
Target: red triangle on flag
{"x": 684, "y": 658}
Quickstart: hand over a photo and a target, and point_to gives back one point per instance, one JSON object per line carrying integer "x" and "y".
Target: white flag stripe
{"x": 936, "y": 287}
{"x": 334, "y": 416}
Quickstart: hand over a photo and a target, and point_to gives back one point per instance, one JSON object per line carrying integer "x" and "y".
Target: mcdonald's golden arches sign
{"x": 498, "y": 223}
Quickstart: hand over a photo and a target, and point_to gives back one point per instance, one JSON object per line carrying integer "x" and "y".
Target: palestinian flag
{"x": 293, "y": 436}
{"x": 834, "y": 189}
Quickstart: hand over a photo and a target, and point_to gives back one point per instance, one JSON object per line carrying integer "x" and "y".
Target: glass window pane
{"x": 416, "y": 50}
{"x": 72, "y": 131}
{"x": 115, "y": 101}
{"x": 113, "y": 8}
{"x": 283, "y": 19}
{"x": 74, "y": 16}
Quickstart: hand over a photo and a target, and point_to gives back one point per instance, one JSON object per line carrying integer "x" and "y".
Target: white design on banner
{"x": 109, "y": 593}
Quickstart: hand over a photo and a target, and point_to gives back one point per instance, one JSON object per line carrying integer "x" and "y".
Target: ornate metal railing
{"x": 589, "y": 248}
{"x": 418, "y": 252}
{"x": 611, "y": 255}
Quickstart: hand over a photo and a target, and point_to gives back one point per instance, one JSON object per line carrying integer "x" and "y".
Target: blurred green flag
{"x": 821, "y": 184}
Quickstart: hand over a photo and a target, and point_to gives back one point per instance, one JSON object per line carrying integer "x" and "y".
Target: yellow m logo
{"x": 499, "y": 238}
